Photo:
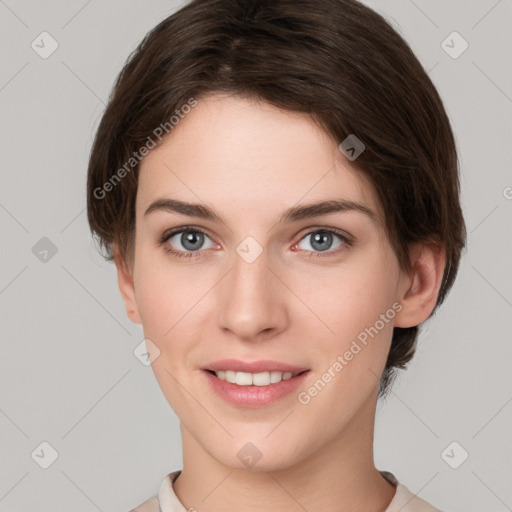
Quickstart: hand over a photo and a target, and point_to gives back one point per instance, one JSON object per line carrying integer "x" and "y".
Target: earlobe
{"x": 419, "y": 289}
{"x": 126, "y": 287}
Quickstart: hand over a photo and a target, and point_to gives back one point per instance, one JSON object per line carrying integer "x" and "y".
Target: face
{"x": 317, "y": 292}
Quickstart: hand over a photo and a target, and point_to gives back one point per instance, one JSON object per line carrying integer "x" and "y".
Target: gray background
{"x": 68, "y": 375}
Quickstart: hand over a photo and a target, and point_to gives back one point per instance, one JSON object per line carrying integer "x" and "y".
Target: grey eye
{"x": 321, "y": 240}
{"x": 190, "y": 240}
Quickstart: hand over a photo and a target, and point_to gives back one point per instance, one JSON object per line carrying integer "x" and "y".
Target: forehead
{"x": 249, "y": 155}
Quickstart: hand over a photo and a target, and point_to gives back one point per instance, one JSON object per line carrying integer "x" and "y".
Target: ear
{"x": 418, "y": 290}
{"x": 126, "y": 287}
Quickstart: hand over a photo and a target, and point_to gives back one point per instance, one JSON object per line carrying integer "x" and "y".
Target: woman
{"x": 277, "y": 185}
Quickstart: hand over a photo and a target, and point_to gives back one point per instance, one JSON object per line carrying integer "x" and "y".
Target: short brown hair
{"x": 337, "y": 61}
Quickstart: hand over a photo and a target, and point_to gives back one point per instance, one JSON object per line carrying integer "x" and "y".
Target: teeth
{"x": 254, "y": 379}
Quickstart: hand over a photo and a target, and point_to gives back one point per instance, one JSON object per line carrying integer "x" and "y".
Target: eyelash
{"x": 347, "y": 242}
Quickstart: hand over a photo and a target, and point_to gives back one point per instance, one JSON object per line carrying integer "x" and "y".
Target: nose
{"x": 252, "y": 300}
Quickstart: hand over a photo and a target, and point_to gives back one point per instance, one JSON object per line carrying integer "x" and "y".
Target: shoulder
{"x": 150, "y": 505}
{"x": 404, "y": 500}
{"x": 166, "y": 498}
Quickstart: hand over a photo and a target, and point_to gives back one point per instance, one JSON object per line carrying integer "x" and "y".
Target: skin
{"x": 250, "y": 161}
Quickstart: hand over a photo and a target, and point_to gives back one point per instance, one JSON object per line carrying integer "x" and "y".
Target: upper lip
{"x": 253, "y": 366}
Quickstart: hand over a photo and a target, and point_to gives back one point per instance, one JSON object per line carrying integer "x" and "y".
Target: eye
{"x": 188, "y": 242}
{"x": 321, "y": 240}
{"x": 191, "y": 241}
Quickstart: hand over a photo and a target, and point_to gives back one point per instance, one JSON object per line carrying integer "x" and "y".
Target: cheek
{"x": 349, "y": 298}
{"x": 171, "y": 300}
{"x": 355, "y": 306}
{"x": 169, "y": 304}
{"x": 161, "y": 294}
{"x": 154, "y": 298}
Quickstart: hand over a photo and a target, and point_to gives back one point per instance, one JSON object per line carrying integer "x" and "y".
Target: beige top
{"x": 167, "y": 501}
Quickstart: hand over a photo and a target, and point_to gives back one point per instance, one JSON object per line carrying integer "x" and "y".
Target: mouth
{"x": 265, "y": 378}
{"x": 254, "y": 390}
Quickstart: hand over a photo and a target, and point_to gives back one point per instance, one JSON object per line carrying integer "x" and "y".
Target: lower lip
{"x": 254, "y": 396}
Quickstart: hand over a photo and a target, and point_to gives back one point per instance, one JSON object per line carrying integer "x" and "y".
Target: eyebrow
{"x": 294, "y": 213}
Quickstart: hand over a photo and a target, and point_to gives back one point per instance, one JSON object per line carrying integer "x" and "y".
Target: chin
{"x": 255, "y": 453}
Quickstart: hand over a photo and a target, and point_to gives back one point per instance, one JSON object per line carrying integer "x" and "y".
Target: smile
{"x": 253, "y": 390}
{"x": 254, "y": 379}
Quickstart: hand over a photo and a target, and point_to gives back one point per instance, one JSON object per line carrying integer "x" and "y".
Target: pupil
{"x": 320, "y": 238}
{"x": 191, "y": 239}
